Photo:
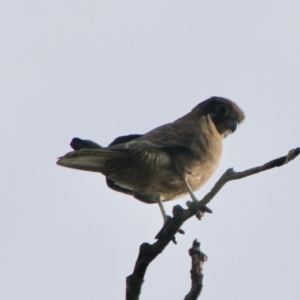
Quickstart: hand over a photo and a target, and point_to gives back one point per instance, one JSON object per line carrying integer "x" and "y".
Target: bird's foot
{"x": 162, "y": 232}
{"x": 199, "y": 213}
{"x": 193, "y": 205}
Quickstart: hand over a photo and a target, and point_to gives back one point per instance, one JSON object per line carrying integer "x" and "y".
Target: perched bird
{"x": 166, "y": 163}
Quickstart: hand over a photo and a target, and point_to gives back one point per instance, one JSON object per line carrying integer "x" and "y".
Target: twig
{"x": 230, "y": 174}
{"x": 149, "y": 252}
{"x": 198, "y": 258}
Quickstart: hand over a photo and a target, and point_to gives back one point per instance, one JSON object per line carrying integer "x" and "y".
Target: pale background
{"x": 101, "y": 69}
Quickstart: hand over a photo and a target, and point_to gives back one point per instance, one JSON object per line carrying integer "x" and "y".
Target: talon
{"x": 163, "y": 230}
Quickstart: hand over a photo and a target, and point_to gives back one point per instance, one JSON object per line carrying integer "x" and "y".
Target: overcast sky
{"x": 101, "y": 69}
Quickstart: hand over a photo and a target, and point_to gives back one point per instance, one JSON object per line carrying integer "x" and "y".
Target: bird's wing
{"x": 110, "y": 183}
{"x": 168, "y": 138}
{"x": 172, "y": 136}
{"x": 125, "y": 139}
{"x": 159, "y": 142}
{"x": 150, "y": 151}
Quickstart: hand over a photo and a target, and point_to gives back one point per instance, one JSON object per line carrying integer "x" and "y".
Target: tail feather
{"x": 78, "y": 144}
{"x": 93, "y": 160}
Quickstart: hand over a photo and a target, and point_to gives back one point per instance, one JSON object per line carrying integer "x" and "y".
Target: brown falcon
{"x": 166, "y": 163}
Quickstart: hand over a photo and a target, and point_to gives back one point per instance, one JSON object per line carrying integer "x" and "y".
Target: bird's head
{"x": 225, "y": 114}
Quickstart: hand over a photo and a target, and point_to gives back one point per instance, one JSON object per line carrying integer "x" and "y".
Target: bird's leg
{"x": 205, "y": 208}
{"x": 162, "y": 209}
{"x": 190, "y": 191}
{"x": 166, "y": 219}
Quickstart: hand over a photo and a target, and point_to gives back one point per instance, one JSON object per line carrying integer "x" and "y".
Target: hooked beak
{"x": 231, "y": 125}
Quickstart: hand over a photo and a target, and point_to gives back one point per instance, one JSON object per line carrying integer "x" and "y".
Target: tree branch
{"x": 230, "y": 174}
{"x": 149, "y": 252}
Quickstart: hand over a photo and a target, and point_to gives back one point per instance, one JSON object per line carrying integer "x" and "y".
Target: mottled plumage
{"x": 158, "y": 165}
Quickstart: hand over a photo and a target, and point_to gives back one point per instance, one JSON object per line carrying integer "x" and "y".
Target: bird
{"x": 166, "y": 163}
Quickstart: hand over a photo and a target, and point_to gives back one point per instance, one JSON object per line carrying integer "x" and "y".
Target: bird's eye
{"x": 223, "y": 110}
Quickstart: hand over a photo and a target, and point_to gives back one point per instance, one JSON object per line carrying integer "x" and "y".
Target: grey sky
{"x": 100, "y": 69}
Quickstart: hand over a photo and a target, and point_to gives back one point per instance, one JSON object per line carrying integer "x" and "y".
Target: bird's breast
{"x": 206, "y": 160}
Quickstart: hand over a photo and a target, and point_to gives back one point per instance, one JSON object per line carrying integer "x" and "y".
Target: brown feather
{"x": 155, "y": 165}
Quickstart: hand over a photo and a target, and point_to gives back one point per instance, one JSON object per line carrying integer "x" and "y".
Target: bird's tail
{"x": 93, "y": 160}
{"x": 78, "y": 144}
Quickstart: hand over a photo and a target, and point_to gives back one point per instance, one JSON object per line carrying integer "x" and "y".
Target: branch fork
{"x": 148, "y": 252}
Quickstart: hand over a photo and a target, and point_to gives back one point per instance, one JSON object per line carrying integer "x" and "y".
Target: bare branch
{"x": 150, "y": 252}
{"x": 198, "y": 258}
{"x": 230, "y": 174}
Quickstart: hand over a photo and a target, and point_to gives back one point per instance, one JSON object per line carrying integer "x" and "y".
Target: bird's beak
{"x": 231, "y": 125}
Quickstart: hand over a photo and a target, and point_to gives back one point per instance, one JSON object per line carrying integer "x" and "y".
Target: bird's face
{"x": 225, "y": 114}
